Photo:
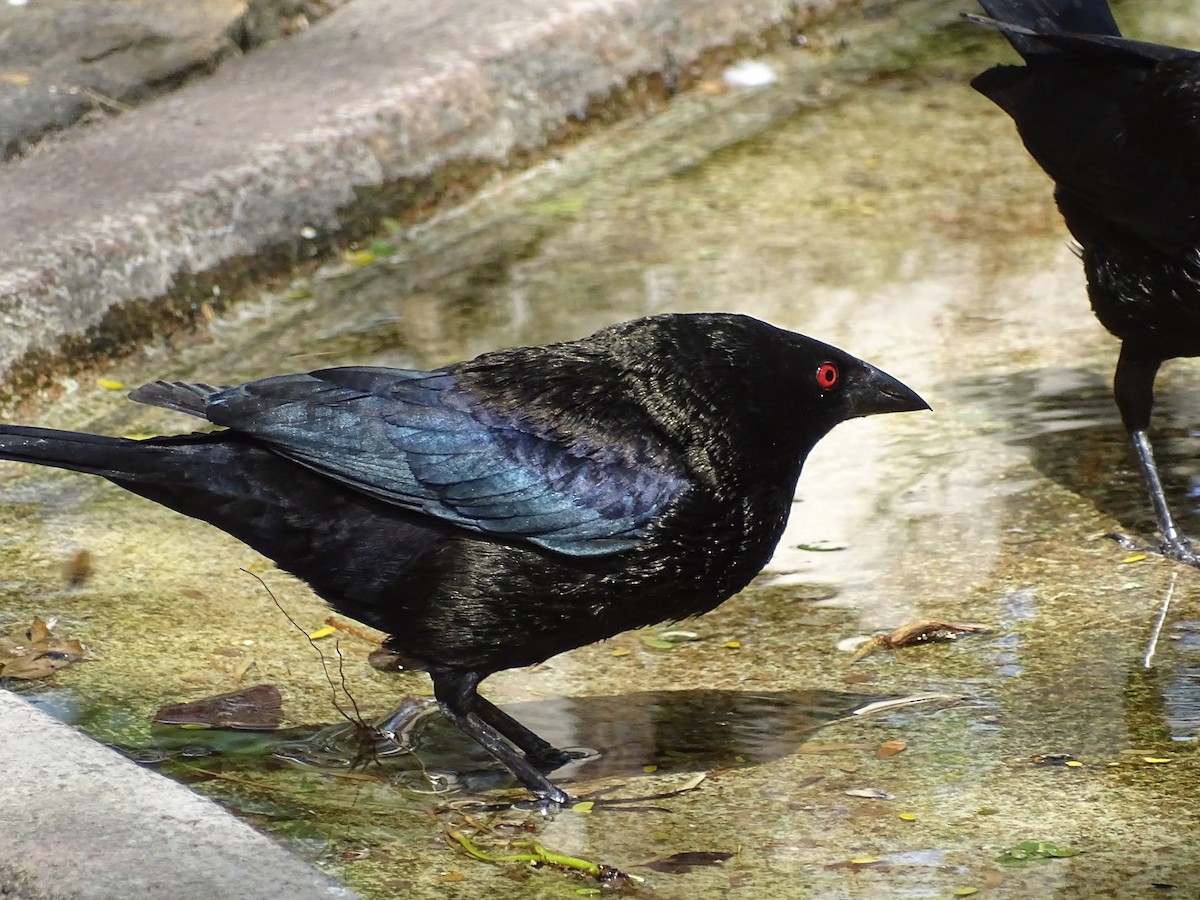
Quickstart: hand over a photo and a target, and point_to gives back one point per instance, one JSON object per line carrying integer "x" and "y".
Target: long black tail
{"x": 352, "y": 549}
{"x": 109, "y": 457}
{"x": 200, "y": 475}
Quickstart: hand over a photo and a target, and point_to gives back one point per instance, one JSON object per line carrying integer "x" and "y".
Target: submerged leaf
{"x": 681, "y": 863}
{"x": 922, "y": 631}
{"x": 654, "y": 642}
{"x": 890, "y": 748}
{"x": 1034, "y": 850}
{"x": 869, "y": 794}
{"x": 257, "y": 708}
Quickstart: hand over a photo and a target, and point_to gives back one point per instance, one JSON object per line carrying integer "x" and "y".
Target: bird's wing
{"x": 1117, "y": 136}
{"x": 416, "y": 439}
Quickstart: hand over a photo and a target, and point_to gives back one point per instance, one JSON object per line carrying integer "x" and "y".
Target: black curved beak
{"x": 874, "y": 391}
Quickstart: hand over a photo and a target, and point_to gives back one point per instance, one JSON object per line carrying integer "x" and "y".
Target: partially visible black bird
{"x": 498, "y": 511}
{"x": 1116, "y": 124}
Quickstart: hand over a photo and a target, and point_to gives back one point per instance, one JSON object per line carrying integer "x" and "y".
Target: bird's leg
{"x": 540, "y": 752}
{"x": 457, "y": 697}
{"x": 1174, "y": 544}
{"x": 1133, "y": 387}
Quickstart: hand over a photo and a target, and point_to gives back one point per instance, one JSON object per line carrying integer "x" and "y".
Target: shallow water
{"x": 868, "y": 198}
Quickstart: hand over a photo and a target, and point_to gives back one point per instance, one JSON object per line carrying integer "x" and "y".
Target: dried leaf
{"x": 869, "y": 794}
{"x": 34, "y": 652}
{"x": 78, "y": 568}
{"x": 386, "y": 660}
{"x": 922, "y": 631}
{"x": 890, "y": 748}
{"x": 1052, "y": 759}
{"x": 257, "y": 708}
{"x": 34, "y": 666}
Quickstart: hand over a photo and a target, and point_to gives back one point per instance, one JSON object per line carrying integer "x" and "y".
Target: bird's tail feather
{"x": 1055, "y": 16}
{"x": 111, "y": 457}
{"x": 191, "y": 399}
{"x": 1024, "y": 21}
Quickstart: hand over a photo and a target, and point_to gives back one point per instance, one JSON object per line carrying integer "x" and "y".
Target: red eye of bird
{"x": 827, "y": 376}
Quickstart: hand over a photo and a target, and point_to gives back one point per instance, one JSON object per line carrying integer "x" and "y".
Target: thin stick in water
{"x": 1148, "y": 659}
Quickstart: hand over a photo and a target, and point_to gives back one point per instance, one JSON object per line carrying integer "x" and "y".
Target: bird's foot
{"x": 1180, "y": 550}
{"x": 1175, "y": 547}
{"x": 551, "y": 759}
{"x": 546, "y": 803}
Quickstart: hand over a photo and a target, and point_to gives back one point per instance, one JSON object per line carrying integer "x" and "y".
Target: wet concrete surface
{"x": 901, "y": 220}
{"x": 90, "y": 824}
{"x": 280, "y": 158}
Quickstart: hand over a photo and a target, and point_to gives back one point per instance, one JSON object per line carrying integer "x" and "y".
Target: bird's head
{"x": 770, "y": 379}
{"x": 836, "y": 386}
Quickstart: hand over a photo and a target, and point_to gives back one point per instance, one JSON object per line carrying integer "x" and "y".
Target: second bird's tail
{"x": 1029, "y": 18}
{"x": 1055, "y": 16}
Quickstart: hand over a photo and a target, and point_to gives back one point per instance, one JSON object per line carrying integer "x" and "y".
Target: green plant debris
{"x": 382, "y": 249}
{"x": 559, "y": 206}
{"x": 535, "y": 853}
{"x": 654, "y": 642}
{"x": 1033, "y": 850}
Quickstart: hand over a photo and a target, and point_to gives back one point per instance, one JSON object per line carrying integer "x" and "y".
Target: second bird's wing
{"x": 418, "y": 440}
{"x": 1111, "y": 120}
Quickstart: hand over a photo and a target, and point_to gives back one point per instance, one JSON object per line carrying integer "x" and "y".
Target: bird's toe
{"x": 1180, "y": 550}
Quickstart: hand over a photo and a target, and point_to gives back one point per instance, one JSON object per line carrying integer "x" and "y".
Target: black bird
{"x": 498, "y": 511}
{"x": 1116, "y": 124}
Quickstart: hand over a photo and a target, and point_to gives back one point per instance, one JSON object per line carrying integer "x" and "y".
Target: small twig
{"x": 1148, "y": 659}
{"x": 350, "y": 629}
{"x": 358, "y": 719}
{"x": 690, "y": 785}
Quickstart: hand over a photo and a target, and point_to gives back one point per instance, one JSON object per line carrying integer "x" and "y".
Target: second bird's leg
{"x": 1133, "y": 389}
{"x": 457, "y": 697}
{"x": 538, "y": 751}
{"x": 1174, "y": 544}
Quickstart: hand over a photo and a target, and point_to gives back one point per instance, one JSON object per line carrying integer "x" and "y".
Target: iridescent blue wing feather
{"x": 422, "y": 442}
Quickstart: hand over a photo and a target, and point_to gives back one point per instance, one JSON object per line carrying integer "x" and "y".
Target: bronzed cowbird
{"x": 495, "y": 512}
{"x": 1116, "y": 124}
